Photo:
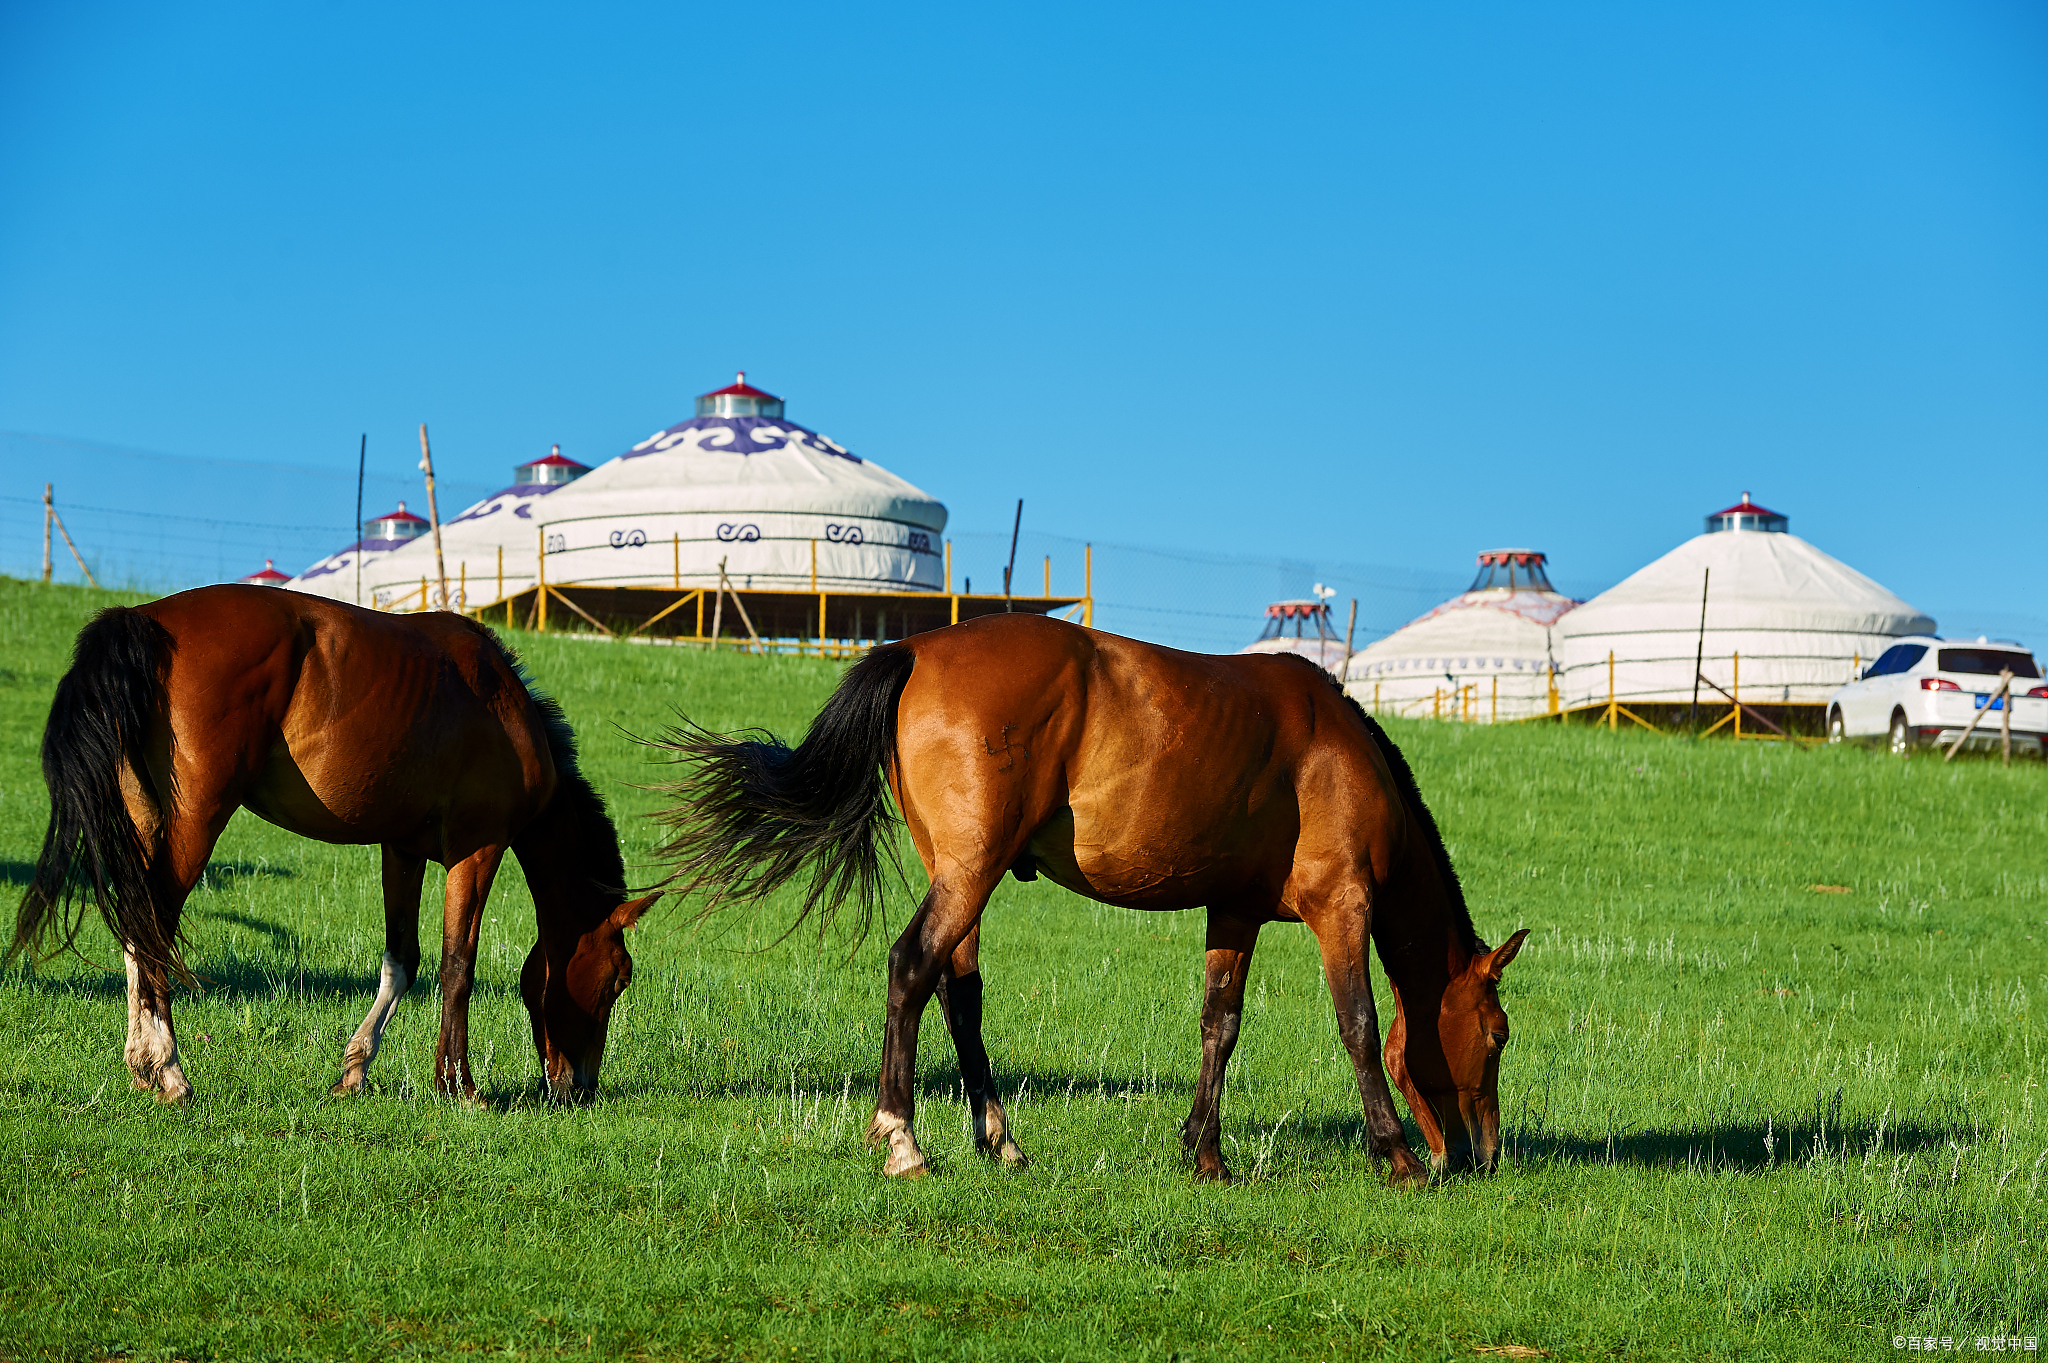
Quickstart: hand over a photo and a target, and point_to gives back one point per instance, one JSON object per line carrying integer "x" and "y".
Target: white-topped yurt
{"x": 481, "y": 546}
{"x": 343, "y": 574}
{"x": 1798, "y": 620}
{"x": 1303, "y": 628}
{"x": 737, "y": 484}
{"x": 1485, "y": 655}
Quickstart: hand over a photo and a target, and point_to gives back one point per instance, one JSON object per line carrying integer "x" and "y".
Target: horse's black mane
{"x": 1404, "y": 777}
{"x": 573, "y": 791}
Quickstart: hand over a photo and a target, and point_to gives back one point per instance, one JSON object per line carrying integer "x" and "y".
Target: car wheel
{"x": 1902, "y": 737}
{"x": 1837, "y": 731}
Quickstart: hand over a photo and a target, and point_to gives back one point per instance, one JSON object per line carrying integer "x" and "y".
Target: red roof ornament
{"x": 554, "y": 459}
{"x": 1745, "y": 507}
{"x": 740, "y": 388}
{"x": 400, "y": 515}
{"x": 267, "y": 576}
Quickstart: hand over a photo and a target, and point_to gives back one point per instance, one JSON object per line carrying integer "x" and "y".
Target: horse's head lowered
{"x": 1450, "y": 1074}
{"x": 570, "y": 982}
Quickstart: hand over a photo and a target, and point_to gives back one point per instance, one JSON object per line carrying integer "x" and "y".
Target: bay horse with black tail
{"x": 1138, "y": 776}
{"x": 418, "y": 733}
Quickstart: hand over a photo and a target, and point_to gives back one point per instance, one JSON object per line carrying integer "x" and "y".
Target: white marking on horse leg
{"x": 992, "y": 1134}
{"x": 152, "y": 1048}
{"x": 132, "y": 1051}
{"x": 905, "y": 1159}
{"x": 392, "y": 982}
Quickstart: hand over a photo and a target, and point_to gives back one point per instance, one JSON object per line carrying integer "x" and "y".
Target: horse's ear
{"x": 628, "y": 913}
{"x": 1497, "y": 959}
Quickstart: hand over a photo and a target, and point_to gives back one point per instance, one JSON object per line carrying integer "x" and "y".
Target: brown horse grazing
{"x": 345, "y": 725}
{"x": 1138, "y": 776}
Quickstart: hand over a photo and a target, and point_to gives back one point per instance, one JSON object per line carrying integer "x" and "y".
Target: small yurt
{"x": 738, "y": 484}
{"x": 1301, "y": 627}
{"x": 266, "y": 576}
{"x": 341, "y": 575}
{"x": 1485, "y": 655}
{"x": 469, "y": 545}
{"x": 1784, "y": 624}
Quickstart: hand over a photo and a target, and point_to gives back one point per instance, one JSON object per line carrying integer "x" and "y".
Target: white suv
{"x": 1925, "y": 690}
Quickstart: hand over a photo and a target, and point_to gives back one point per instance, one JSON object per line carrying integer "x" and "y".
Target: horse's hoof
{"x": 347, "y": 1088}
{"x": 1408, "y": 1173}
{"x": 1012, "y": 1157}
{"x": 175, "y": 1097}
{"x": 1217, "y": 1174}
{"x": 914, "y": 1169}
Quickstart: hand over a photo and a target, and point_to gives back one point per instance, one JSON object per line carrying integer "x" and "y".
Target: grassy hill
{"x": 1748, "y": 1116}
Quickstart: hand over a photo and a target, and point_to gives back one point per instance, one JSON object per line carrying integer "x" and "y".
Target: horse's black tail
{"x": 98, "y": 724}
{"x": 754, "y": 812}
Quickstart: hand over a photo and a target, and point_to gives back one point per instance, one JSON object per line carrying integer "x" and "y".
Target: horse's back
{"x": 351, "y": 725}
{"x": 1137, "y": 774}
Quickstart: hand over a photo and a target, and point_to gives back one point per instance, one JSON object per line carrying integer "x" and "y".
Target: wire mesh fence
{"x": 295, "y": 515}
{"x": 1210, "y": 603}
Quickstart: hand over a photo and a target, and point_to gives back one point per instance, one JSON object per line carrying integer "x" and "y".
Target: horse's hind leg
{"x": 179, "y": 846}
{"x": 401, "y": 874}
{"x": 960, "y": 1004}
{"x": 917, "y": 963}
{"x": 469, "y": 886}
{"x": 1226, "y": 963}
{"x": 152, "y": 1047}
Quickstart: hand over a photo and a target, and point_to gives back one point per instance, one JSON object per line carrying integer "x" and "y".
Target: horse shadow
{"x": 18, "y": 874}
{"x": 1742, "y": 1147}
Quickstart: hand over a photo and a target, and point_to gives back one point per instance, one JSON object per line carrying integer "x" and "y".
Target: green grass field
{"x": 1746, "y": 1118}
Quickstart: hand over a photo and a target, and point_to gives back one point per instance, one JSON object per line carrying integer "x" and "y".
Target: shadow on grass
{"x": 250, "y": 980}
{"x": 1744, "y": 1147}
{"x": 17, "y": 874}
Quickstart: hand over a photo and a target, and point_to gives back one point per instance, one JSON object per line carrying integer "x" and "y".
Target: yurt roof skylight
{"x": 739, "y": 398}
{"x": 1747, "y": 515}
{"x": 1515, "y": 570}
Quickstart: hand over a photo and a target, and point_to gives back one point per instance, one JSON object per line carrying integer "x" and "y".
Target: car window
{"x": 1988, "y": 662}
{"x": 1897, "y": 658}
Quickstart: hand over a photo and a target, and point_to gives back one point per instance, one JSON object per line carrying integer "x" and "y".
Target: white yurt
{"x": 1304, "y": 628}
{"x": 480, "y": 547}
{"x": 1793, "y": 620}
{"x": 342, "y": 574}
{"x": 1485, "y": 655}
{"x": 737, "y": 484}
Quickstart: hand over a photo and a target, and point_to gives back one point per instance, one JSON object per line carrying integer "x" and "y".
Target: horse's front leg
{"x": 469, "y": 886}
{"x": 960, "y": 1005}
{"x": 917, "y": 963}
{"x": 1227, "y": 961}
{"x": 400, "y": 873}
{"x": 1342, "y": 933}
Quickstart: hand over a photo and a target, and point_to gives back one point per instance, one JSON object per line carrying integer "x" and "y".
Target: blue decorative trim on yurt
{"x": 740, "y": 435}
{"x": 493, "y": 504}
{"x": 338, "y": 560}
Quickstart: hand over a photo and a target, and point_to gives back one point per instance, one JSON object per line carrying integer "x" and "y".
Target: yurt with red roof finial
{"x": 1746, "y": 609}
{"x": 340, "y": 574}
{"x": 1484, "y": 655}
{"x": 266, "y": 576}
{"x": 738, "y": 484}
{"x": 1302, "y": 627}
{"x": 487, "y": 548}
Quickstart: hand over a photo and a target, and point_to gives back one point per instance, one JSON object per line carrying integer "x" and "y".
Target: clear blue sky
{"x": 1359, "y": 284}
